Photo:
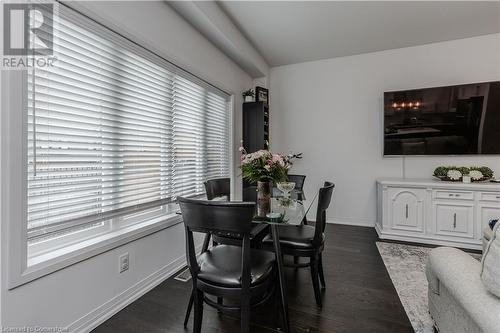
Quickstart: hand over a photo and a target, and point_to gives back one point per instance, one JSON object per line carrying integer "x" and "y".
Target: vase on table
{"x": 263, "y": 198}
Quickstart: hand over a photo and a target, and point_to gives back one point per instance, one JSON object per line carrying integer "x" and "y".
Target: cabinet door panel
{"x": 486, "y": 214}
{"x": 406, "y": 211}
{"x": 454, "y": 219}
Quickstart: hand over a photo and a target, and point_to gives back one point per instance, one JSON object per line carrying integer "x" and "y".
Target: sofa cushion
{"x": 487, "y": 234}
{"x": 490, "y": 264}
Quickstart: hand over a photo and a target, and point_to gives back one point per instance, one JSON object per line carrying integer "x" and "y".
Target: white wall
{"x": 78, "y": 295}
{"x": 332, "y": 111}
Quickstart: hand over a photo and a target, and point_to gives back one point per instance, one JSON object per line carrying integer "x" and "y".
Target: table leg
{"x": 281, "y": 276}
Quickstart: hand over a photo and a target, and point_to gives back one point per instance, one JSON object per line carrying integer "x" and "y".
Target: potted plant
{"x": 453, "y": 173}
{"x": 264, "y": 168}
{"x": 248, "y": 95}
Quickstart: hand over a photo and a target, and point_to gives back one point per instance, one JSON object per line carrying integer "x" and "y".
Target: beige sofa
{"x": 458, "y": 300}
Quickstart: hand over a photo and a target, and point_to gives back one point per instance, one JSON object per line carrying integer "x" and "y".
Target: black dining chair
{"x": 298, "y": 191}
{"x": 217, "y": 188}
{"x": 221, "y": 188}
{"x": 239, "y": 273}
{"x": 308, "y": 241}
{"x": 299, "y": 181}
{"x": 250, "y": 193}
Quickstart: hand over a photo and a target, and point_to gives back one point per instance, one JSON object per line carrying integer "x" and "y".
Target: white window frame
{"x": 13, "y": 199}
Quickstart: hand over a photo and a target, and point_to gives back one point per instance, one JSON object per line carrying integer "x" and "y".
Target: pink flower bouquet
{"x": 264, "y": 166}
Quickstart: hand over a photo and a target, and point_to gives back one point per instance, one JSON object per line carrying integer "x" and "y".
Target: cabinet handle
{"x": 457, "y": 195}
{"x": 451, "y": 194}
{"x": 498, "y": 196}
{"x": 454, "y": 220}
{"x": 407, "y": 211}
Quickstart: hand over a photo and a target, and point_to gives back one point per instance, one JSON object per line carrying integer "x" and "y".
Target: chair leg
{"x": 245, "y": 315}
{"x": 320, "y": 271}
{"x": 315, "y": 280}
{"x": 198, "y": 311}
{"x": 188, "y": 310}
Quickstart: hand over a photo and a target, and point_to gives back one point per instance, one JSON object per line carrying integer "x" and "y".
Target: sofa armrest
{"x": 459, "y": 273}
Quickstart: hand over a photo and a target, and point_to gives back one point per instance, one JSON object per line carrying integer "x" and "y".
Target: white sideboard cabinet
{"x": 436, "y": 212}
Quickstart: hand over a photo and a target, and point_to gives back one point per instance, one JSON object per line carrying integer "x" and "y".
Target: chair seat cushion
{"x": 221, "y": 265}
{"x": 299, "y": 237}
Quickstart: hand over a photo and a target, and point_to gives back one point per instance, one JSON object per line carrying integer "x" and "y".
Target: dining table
{"x": 284, "y": 212}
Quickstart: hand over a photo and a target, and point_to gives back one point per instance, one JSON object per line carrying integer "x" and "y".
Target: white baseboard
{"x": 352, "y": 221}
{"x": 426, "y": 240}
{"x": 96, "y": 317}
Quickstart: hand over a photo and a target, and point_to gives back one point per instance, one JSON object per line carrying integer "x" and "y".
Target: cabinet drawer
{"x": 490, "y": 196}
{"x": 461, "y": 195}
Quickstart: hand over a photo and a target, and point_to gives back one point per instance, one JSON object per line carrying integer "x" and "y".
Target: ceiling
{"x": 288, "y": 32}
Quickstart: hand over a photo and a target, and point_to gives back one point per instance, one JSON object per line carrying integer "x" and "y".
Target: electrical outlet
{"x": 123, "y": 261}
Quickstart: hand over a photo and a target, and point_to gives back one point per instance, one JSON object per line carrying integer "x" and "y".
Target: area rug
{"x": 406, "y": 267}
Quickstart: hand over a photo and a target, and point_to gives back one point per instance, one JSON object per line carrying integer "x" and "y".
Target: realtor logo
{"x": 28, "y": 29}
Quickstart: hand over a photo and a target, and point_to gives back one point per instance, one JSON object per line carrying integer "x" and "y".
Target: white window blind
{"x": 113, "y": 129}
{"x": 200, "y": 137}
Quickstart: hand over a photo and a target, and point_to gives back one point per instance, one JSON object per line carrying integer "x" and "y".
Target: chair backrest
{"x": 215, "y": 217}
{"x": 298, "y": 180}
{"x": 250, "y": 193}
{"x": 218, "y": 187}
{"x": 324, "y": 199}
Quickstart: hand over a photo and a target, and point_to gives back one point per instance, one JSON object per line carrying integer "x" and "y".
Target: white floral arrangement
{"x": 454, "y": 174}
{"x": 476, "y": 174}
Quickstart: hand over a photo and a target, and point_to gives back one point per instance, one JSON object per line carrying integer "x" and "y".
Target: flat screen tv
{"x": 453, "y": 120}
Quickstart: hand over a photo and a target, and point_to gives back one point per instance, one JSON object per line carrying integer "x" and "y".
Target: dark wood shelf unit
{"x": 255, "y": 136}
{"x": 255, "y": 126}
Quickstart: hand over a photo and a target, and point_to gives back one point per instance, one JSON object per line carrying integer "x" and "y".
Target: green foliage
{"x": 441, "y": 171}
{"x": 463, "y": 170}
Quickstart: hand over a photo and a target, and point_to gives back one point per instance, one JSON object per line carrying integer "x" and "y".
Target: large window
{"x": 114, "y": 130}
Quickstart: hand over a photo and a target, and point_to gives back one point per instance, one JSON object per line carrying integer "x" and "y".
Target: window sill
{"x": 47, "y": 263}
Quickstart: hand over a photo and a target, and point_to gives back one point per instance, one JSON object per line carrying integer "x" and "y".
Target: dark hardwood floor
{"x": 359, "y": 297}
